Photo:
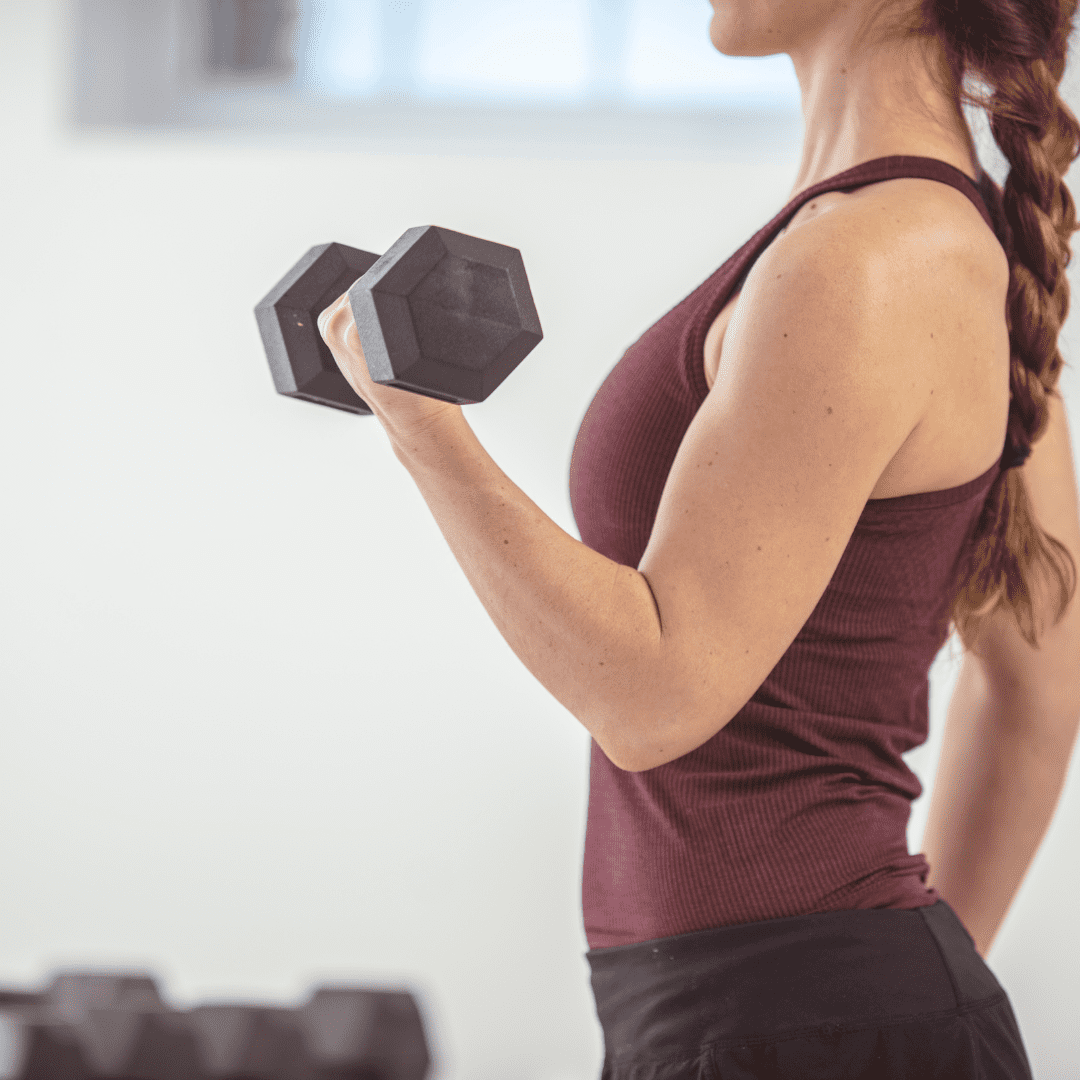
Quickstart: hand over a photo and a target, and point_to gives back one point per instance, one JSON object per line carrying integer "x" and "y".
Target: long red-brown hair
{"x": 1016, "y": 48}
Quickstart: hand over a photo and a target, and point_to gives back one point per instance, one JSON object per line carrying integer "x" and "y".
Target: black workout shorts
{"x": 879, "y": 994}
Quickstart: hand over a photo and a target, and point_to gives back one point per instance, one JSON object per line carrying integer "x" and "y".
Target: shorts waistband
{"x": 780, "y": 974}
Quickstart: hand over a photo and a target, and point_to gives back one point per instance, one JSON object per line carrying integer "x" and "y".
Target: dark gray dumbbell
{"x": 128, "y": 1044}
{"x": 71, "y": 994}
{"x": 33, "y": 1046}
{"x": 354, "y": 1034}
{"x": 123, "y": 1028}
{"x": 249, "y": 1042}
{"x": 441, "y": 314}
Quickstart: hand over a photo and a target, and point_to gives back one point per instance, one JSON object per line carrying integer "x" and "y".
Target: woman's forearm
{"x": 1001, "y": 773}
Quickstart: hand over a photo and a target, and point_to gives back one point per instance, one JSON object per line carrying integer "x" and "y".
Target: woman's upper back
{"x": 964, "y": 400}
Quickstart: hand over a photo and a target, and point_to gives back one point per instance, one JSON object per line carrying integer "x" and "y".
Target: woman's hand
{"x": 401, "y": 412}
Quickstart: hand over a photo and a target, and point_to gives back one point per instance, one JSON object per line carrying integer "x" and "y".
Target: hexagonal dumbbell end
{"x": 71, "y": 994}
{"x": 251, "y": 1042}
{"x": 445, "y": 315}
{"x": 441, "y": 314}
{"x": 354, "y": 1033}
{"x": 123, "y": 1027}
{"x": 33, "y": 1047}
{"x": 301, "y": 364}
{"x": 129, "y": 1044}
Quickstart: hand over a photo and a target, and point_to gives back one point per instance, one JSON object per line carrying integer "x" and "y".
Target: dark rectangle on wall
{"x": 251, "y": 36}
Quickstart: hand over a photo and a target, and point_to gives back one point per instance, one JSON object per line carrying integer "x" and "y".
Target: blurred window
{"x": 639, "y": 52}
{"x": 641, "y": 76}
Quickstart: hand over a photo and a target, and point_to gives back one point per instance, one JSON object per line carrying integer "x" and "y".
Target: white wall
{"x": 257, "y": 729}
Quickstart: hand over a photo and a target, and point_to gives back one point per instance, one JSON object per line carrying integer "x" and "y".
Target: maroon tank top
{"x": 801, "y": 803}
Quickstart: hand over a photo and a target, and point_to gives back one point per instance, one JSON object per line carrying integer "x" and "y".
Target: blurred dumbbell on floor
{"x": 110, "y": 1026}
{"x": 98, "y": 1026}
{"x": 250, "y": 1041}
{"x": 32, "y": 1047}
{"x": 355, "y": 1033}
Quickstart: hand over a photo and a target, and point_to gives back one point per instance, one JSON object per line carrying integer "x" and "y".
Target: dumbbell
{"x": 100, "y": 1026}
{"x": 355, "y": 1032}
{"x": 95, "y": 1026}
{"x": 34, "y": 1046}
{"x": 339, "y": 1033}
{"x": 70, "y": 995}
{"x": 440, "y": 313}
{"x": 123, "y": 1028}
{"x": 252, "y": 1042}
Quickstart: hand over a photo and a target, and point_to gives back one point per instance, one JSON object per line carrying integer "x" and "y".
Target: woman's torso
{"x": 962, "y": 428}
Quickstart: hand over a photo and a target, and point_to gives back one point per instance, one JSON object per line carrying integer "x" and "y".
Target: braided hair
{"x": 1018, "y": 49}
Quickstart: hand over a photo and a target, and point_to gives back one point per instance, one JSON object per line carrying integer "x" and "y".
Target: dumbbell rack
{"x": 89, "y": 1025}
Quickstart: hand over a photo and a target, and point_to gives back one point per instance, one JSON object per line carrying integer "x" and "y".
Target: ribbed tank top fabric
{"x": 800, "y": 803}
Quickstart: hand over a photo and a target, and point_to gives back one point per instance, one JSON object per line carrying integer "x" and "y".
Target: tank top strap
{"x": 893, "y": 168}
{"x": 730, "y": 277}
{"x": 985, "y": 196}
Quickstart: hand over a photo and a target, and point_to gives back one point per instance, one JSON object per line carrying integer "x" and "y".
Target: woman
{"x": 750, "y": 903}
{"x": 789, "y": 490}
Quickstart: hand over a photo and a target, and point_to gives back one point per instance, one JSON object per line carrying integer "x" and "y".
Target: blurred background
{"x": 258, "y": 731}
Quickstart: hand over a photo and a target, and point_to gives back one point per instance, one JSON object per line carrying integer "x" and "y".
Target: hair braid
{"x": 1018, "y": 48}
